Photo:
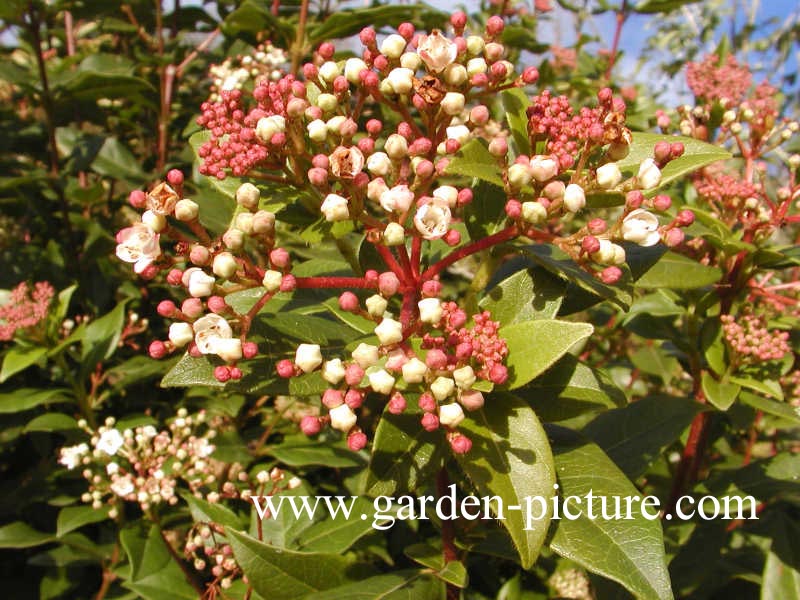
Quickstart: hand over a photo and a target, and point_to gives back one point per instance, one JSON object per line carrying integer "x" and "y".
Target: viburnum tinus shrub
{"x": 399, "y": 232}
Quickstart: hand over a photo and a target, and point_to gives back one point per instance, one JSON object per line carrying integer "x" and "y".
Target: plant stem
{"x": 186, "y": 572}
{"x": 449, "y": 552}
{"x": 622, "y": 14}
{"x": 503, "y": 235}
{"x": 333, "y": 282}
{"x": 299, "y": 41}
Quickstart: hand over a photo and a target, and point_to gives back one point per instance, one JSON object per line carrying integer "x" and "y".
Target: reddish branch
{"x": 498, "y": 238}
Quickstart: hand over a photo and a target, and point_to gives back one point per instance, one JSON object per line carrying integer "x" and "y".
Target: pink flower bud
{"x": 326, "y": 50}
{"x": 429, "y": 421}
{"x": 249, "y": 349}
{"x": 353, "y": 374}
{"x": 605, "y": 95}
{"x": 597, "y": 226}
{"x": 685, "y": 218}
{"x": 498, "y": 374}
{"x": 318, "y": 177}
{"x": 356, "y": 441}
{"x": 166, "y": 308}
{"x": 452, "y": 238}
{"x": 199, "y": 255}
{"x": 157, "y": 349}
{"x": 332, "y": 398}
{"x": 610, "y": 275}
{"x": 367, "y": 36}
{"x": 235, "y": 373}
{"x": 222, "y": 373}
{"x": 458, "y": 20}
{"x": 192, "y": 307}
{"x": 354, "y": 398}
{"x": 530, "y": 75}
{"x": 426, "y": 402}
{"x": 458, "y": 318}
{"x": 397, "y": 404}
{"x": 310, "y": 425}
{"x": 425, "y": 169}
{"x": 514, "y": 209}
{"x": 217, "y": 304}
{"x": 436, "y": 359}
{"x": 279, "y": 258}
{"x": 471, "y": 399}
{"x": 498, "y": 147}
{"x": 366, "y": 145}
{"x": 662, "y": 151}
{"x": 494, "y": 26}
{"x": 676, "y": 150}
{"x": 174, "y": 277}
{"x": 464, "y": 350}
{"x": 479, "y": 115}
{"x": 590, "y": 244}
{"x": 406, "y": 30}
{"x": 374, "y": 127}
{"x": 388, "y": 284}
{"x": 431, "y": 288}
{"x": 662, "y": 202}
{"x": 310, "y": 71}
{"x": 380, "y": 63}
{"x": 464, "y": 196}
{"x": 348, "y": 301}
{"x": 460, "y": 444}
{"x": 288, "y": 283}
{"x": 175, "y": 177}
{"x": 285, "y": 368}
{"x": 137, "y": 199}
{"x": 634, "y": 199}
{"x": 674, "y": 237}
{"x": 452, "y": 146}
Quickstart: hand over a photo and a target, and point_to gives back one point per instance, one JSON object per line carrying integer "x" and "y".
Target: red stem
{"x": 503, "y": 235}
{"x": 416, "y": 255}
{"x": 390, "y": 261}
{"x": 333, "y": 282}
{"x": 622, "y": 14}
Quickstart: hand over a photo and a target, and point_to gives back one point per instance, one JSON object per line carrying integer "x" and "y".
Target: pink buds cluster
{"x": 749, "y": 337}
{"x": 24, "y": 308}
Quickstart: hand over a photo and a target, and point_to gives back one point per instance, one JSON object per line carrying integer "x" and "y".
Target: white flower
{"x": 208, "y": 331}
{"x": 272, "y": 280}
{"x": 414, "y": 370}
{"x": 389, "y": 332}
{"x": 447, "y": 193}
{"x": 436, "y": 51}
{"x": 342, "y": 418}
{"x": 186, "y": 210}
{"x": 228, "y": 349}
{"x": 381, "y": 381}
{"x": 608, "y": 176}
{"x": 476, "y": 66}
{"x": 366, "y": 355}
{"x": 394, "y": 234}
{"x": 110, "y": 441}
{"x": 269, "y": 126}
{"x": 641, "y": 227}
{"x": 543, "y": 168}
{"x": 453, "y": 103}
{"x": 247, "y": 195}
{"x": 649, "y": 175}
{"x": 71, "y": 456}
{"x": 138, "y": 245}
{"x": 308, "y": 357}
{"x": 410, "y": 60}
{"x": 375, "y": 188}
{"x": 376, "y": 305}
{"x": 396, "y": 146}
{"x": 379, "y": 164}
{"x": 225, "y": 265}
{"x": 180, "y": 334}
{"x": 430, "y": 310}
{"x": 533, "y": 212}
{"x": 451, "y": 415}
{"x": 199, "y": 283}
{"x": 353, "y": 68}
{"x": 333, "y": 371}
{"x": 112, "y": 468}
{"x": 329, "y": 71}
{"x": 123, "y": 486}
{"x": 393, "y": 46}
{"x": 574, "y": 197}
{"x": 317, "y": 130}
{"x": 397, "y": 199}
{"x": 244, "y": 222}
{"x": 346, "y": 163}
{"x": 401, "y": 80}
{"x": 154, "y": 221}
{"x": 432, "y": 220}
{"x": 442, "y": 387}
{"x": 519, "y": 175}
{"x": 460, "y": 133}
{"x": 464, "y": 377}
{"x": 335, "y": 208}
{"x": 455, "y": 75}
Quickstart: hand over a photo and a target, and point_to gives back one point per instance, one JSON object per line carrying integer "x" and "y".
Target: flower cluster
{"x": 370, "y": 142}
{"x": 23, "y": 308}
{"x": 145, "y": 465}
{"x": 266, "y": 62}
{"x": 749, "y": 337}
{"x": 725, "y": 81}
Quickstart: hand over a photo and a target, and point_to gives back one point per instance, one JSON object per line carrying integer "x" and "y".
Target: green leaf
{"x": 780, "y": 581}
{"x": 720, "y": 394}
{"x": 696, "y": 155}
{"x": 19, "y": 358}
{"x": 52, "y": 422}
{"x": 404, "y": 455}
{"x": 22, "y": 535}
{"x": 486, "y": 214}
{"x": 337, "y": 534}
{"x": 154, "y": 575}
{"x": 71, "y": 518}
{"x": 281, "y": 574}
{"x": 630, "y": 552}
{"x": 767, "y": 387}
{"x": 654, "y": 360}
{"x": 114, "y": 160}
{"x": 315, "y": 454}
{"x": 677, "y": 272}
{"x": 191, "y": 371}
{"x": 660, "y": 6}
{"x": 534, "y": 346}
{"x": 399, "y": 585}
{"x": 526, "y": 295}
{"x": 206, "y": 512}
{"x": 515, "y": 102}
{"x": 102, "y": 336}
{"x": 511, "y": 458}
{"x": 253, "y": 17}
{"x": 474, "y": 160}
{"x": 570, "y": 389}
{"x": 28, "y": 398}
{"x": 634, "y": 436}
{"x": 781, "y": 410}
